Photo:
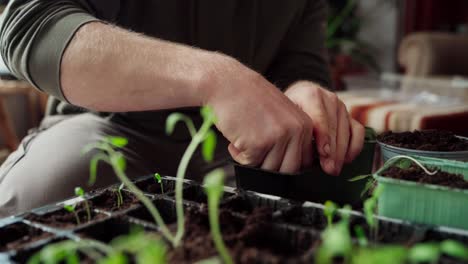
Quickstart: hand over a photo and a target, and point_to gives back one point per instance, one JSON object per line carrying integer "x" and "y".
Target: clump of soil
{"x": 250, "y": 240}
{"x": 19, "y": 235}
{"x": 64, "y": 219}
{"x": 416, "y": 174}
{"x": 428, "y": 140}
{"x": 108, "y": 200}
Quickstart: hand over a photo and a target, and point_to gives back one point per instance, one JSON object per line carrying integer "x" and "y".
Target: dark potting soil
{"x": 428, "y": 140}
{"x": 64, "y": 219}
{"x": 297, "y": 216}
{"x": 108, "y": 200}
{"x": 416, "y": 174}
{"x": 151, "y": 186}
{"x": 19, "y": 235}
{"x": 250, "y": 240}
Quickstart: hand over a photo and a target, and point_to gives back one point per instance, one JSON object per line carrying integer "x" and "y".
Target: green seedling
{"x": 119, "y": 195}
{"x": 361, "y": 236}
{"x": 336, "y": 238}
{"x": 81, "y": 193}
{"x": 71, "y": 208}
{"x": 214, "y": 184}
{"x": 329, "y": 211}
{"x": 370, "y": 208}
{"x": 68, "y": 252}
{"x": 205, "y": 136}
{"x": 158, "y": 179}
{"x": 108, "y": 153}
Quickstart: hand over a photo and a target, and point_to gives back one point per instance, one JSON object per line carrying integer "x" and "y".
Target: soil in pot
{"x": 19, "y": 235}
{"x": 427, "y": 140}
{"x": 151, "y": 186}
{"x": 416, "y": 174}
{"x": 107, "y": 201}
{"x": 63, "y": 219}
{"x": 250, "y": 240}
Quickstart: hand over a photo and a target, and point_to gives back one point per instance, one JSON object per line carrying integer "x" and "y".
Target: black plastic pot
{"x": 312, "y": 185}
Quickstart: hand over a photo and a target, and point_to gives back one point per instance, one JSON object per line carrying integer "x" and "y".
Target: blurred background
{"x": 397, "y": 64}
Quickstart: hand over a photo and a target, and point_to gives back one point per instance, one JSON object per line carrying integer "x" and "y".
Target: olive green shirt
{"x": 281, "y": 39}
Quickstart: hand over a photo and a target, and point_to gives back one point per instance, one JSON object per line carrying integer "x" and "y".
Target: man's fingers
{"x": 356, "y": 142}
{"x": 342, "y": 138}
{"x": 331, "y": 106}
{"x": 243, "y": 157}
{"x": 274, "y": 157}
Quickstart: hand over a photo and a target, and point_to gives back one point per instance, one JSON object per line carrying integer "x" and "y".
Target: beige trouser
{"x": 48, "y": 165}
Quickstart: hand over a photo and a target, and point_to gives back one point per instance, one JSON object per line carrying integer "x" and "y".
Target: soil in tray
{"x": 19, "y": 235}
{"x": 416, "y": 174}
{"x": 64, "y": 219}
{"x": 428, "y": 140}
{"x": 250, "y": 240}
{"x": 151, "y": 186}
{"x": 107, "y": 201}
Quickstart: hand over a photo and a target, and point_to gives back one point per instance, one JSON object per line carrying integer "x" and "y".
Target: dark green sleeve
{"x": 303, "y": 55}
{"x": 34, "y": 35}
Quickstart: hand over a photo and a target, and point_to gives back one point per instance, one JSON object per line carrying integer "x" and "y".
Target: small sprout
{"x": 361, "y": 236}
{"x": 214, "y": 184}
{"x": 117, "y": 160}
{"x": 118, "y": 192}
{"x": 81, "y": 193}
{"x": 428, "y": 172}
{"x": 158, "y": 179}
{"x": 329, "y": 210}
{"x": 71, "y": 208}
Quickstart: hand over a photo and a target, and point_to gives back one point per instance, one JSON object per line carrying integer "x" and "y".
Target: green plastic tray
{"x": 425, "y": 203}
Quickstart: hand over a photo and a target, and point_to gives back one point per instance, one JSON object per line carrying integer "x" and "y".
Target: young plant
{"x": 329, "y": 211}
{"x": 214, "y": 184}
{"x": 117, "y": 161}
{"x": 205, "y": 136}
{"x": 81, "y": 193}
{"x": 118, "y": 193}
{"x": 336, "y": 241}
{"x": 370, "y": 207}
{"x": 71, "y": 208}
{"x": 158, "y": 179}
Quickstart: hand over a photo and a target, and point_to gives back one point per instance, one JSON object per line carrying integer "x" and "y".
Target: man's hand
{"x": 265, "y": 128}
{"x": 339, "y": 137}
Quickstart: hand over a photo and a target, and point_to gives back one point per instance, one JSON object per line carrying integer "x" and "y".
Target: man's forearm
{"x": 105, "y": 68}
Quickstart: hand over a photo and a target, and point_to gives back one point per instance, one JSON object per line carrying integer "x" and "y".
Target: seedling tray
{"x": 312, "y": 185}
{"x": 289, "y": 234}
{"x": 424, "y": 203}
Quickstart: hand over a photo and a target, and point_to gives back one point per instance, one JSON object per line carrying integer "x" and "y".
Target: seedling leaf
{"x": 175, "y": 118}
{"x": 118, "y": 142}
{"x": 360, "y": 177}
{"x": 209, "y": 146}
{"x": 329, "y": 210}
{"x": 454, "y": 249}
{"x": 69, "y": 208}
{"x": 119, "y": 160}
{"x": 79, "y": 191}
{"x": 424, "y": 253}
{"x": 208, "y": 114}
